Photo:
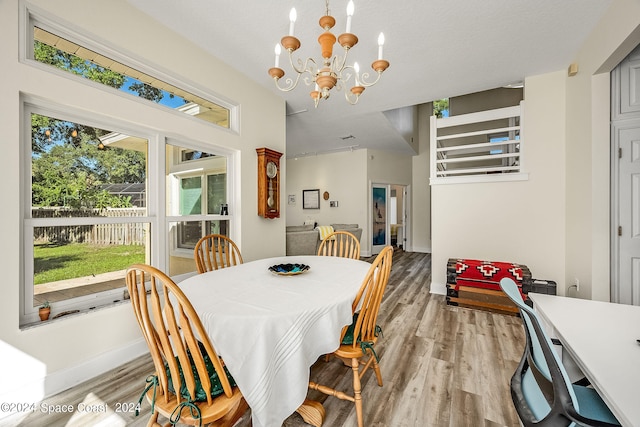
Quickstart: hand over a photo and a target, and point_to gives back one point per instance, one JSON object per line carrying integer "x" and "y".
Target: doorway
{"x": 625, "y": 180}
{"x": 389, "y": 216}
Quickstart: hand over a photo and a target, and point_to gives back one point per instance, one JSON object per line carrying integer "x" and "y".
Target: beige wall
{"x": 485, "y": 100}
{"x": 562, "y": 224}
{"x": 343, "y": 175}
{"x": 520, "y": 221}
{"x": 386, "y": 168}
{"x": 587, "y": 148}
{"x": 347, "y": 176}
{"x": 420, "y": 227}
{"x": 78, "y": 347}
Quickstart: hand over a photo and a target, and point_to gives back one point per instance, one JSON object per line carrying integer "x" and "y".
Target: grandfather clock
{"x": 268, "y": 183}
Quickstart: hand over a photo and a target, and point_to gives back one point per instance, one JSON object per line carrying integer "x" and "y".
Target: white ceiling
{"x": 437, "y": 49}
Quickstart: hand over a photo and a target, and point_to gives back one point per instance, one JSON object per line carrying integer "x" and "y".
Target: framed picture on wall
{"x": 311, "y": 199}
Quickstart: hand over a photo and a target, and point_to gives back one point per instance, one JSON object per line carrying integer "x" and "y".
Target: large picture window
{"x": 81, "y": 233}
{"x": 89, "y": 215}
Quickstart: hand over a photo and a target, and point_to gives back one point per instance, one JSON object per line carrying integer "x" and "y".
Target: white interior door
{"x": 625, "y": 167}
{"x": 627, "y": 290}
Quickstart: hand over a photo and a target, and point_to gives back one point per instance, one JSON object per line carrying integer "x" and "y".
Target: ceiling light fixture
{"x": 334, "y": 71}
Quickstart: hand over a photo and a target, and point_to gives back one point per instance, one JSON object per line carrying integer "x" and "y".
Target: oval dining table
{"x": 271, "y": 328}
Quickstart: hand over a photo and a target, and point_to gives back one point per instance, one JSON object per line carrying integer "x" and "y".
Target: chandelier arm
{"x": 365, "y": 76}
{"x": 303, "y": 67}
{"x": 346, "y": 72}
{"x": 340, "y": 62}
{"x": 351, "y": 98}
{"x": 290, "y": 84}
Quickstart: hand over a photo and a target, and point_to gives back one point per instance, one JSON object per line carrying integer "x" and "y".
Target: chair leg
{"x": 355, "y": 365}
{"x": 376, "y": 368}
{"x": 153, "y": 420}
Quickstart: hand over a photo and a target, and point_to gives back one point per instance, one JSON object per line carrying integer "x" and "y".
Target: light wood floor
{"x": 441, "y": 366}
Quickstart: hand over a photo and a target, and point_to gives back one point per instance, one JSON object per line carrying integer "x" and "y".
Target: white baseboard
{"x": 64, "y": 379}
{"x": 422, "y": 250}
{"x": 437, "y": 288}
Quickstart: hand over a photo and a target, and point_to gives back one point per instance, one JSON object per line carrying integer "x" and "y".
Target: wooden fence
{"x": 96, "y": 234}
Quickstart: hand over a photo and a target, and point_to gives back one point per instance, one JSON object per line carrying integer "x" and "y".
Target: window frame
{"x": 484, "y": 118}
{"x": 175, "y": 180}
{"x": 32, "y": 16}
{"x": 31, "y": 105}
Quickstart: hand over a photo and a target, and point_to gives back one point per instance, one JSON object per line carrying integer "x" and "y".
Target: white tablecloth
{"x": 270, "y": 329}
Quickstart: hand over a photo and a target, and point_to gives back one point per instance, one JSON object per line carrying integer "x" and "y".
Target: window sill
{"x": 505, "y": 177}
{"x": 69, "y": 314}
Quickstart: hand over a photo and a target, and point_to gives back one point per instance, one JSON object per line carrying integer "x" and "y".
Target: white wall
{"x": 522, "y": 221}
{"x": 347, "y": 177}
{"x": 342, "y": 174}
{"x": 78, "y": 347}
{"x": 388, "y": 168}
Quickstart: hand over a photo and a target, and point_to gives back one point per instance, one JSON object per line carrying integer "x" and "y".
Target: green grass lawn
{"x": 61, "y": 262}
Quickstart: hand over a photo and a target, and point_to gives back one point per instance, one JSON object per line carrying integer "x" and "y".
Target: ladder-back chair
{"x": 358, "y": 340}
{"x": 190, "y": 385}
{"x": 216, "y": 251}
{"x": 341, "y": 244}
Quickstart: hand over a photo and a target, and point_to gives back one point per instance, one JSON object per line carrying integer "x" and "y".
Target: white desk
{"x": 270, "y": 329}
{"x": 601, "y": 338}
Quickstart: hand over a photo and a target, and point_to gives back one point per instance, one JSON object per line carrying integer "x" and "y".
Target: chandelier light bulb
{"x": 356, "y": 68}
{"x": 292, "y": 20}
{"x": 350, "y": 9}
{"x": 380, "y": 44}
{"x": 277, "y": 51}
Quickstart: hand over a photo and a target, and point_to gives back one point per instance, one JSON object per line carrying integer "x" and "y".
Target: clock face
{"x": 272, "y": 170}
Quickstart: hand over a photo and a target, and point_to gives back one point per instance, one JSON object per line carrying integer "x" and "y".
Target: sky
{"x": 167, "y": 101}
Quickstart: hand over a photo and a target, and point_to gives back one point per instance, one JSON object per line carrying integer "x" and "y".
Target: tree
{"x": 73, "y": 173}
{"x": 68, "y": 167}
{"x": 440, "y": 106}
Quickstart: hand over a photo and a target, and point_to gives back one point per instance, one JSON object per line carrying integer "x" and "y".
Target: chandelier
{"x": 334, "y": 71}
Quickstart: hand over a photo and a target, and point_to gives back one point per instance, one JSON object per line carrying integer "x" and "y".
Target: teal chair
{"x": 541, "y": 390}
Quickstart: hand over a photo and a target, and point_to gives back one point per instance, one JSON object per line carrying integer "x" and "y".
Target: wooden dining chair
{"x": 357, "y": 341}
{"x": 190, "y": 385}
{"x": 341, "y": 244}
{"x": 216, "y": 251}
{"x": 541, "y": 390}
